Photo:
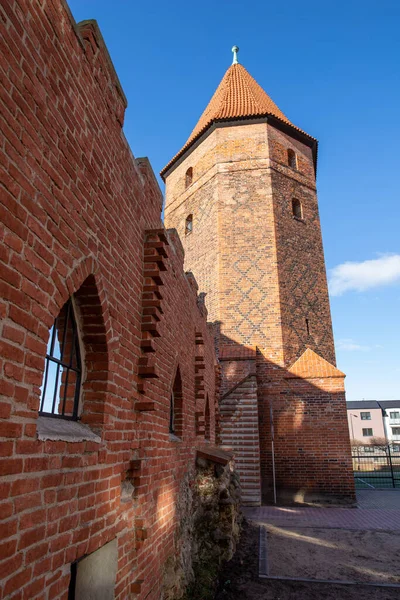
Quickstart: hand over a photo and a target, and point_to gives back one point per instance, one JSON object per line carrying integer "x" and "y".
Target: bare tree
{"x": 380, "y": 443}
{"x": 356, "y": 446}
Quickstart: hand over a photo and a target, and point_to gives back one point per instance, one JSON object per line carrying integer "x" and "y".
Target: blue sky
{"x": 333, "y": 68}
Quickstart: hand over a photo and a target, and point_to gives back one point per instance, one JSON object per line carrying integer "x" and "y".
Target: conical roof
{"x": 238, "y": 96}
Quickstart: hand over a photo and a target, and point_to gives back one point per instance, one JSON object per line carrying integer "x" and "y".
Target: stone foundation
{"x": 207, "y": 531}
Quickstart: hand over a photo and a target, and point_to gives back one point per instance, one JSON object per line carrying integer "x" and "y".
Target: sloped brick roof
{"x": 312, "y": 366}
{"x": 238, "y": 96}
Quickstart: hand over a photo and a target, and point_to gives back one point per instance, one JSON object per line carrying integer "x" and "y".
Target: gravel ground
{"x": 239, "y": 580}
{"x": 320, "y": 553}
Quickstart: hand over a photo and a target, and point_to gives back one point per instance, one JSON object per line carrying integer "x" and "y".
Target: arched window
{"x": 207, "y": 420}
{"x": 188, "y": 177}
{"x": 75, "y": 381}
{"x": 189, "y": 224}
{"x": 176, "y": 407}
{"x": 297, "y": 209}
{"x": 292, "y": 158}
{"x": 61, "y": 387}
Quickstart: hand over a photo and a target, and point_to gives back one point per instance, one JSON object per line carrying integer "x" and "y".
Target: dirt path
{"x": 239, "y": 580}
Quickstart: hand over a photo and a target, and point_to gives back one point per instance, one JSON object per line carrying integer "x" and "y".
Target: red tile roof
{"x": 237, "y": 96}
{"x": 312, "y": 366}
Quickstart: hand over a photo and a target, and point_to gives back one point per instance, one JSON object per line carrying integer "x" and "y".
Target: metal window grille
{"x": 63, "y": 371}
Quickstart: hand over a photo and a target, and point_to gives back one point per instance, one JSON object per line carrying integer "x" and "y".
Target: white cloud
{"x": 350, "y": 345}
{"x": 361, "y": 276}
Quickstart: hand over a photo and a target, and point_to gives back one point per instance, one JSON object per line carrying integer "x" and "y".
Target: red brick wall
{"x": 303, "y": 290}
{"x": 75, "y": 206}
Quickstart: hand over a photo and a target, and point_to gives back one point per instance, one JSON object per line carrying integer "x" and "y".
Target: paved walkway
{"x": 377, "y": 510}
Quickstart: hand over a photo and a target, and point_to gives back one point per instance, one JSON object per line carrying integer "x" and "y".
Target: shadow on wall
{"x": 291, "y": 418}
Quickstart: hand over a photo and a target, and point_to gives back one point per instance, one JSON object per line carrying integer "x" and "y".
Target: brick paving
{"x": 376, "y": 511}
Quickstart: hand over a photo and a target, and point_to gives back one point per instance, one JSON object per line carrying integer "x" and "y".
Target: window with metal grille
{"x": 367, "y": 432}
{"x": 63, "y": 370}
{"x": 365, "y": 416}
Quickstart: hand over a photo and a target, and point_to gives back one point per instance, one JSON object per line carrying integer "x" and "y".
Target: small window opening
{"x": 176, "y": 407}
{"x": 189, "y": 224}
{"x": 308, "y": 326}
{"x": 172, "y": 414}
{"x": 297, "y": 209}
{"x": 207, "y": 420}
{"x": 188, "y": 177}
{"x": 61, "y": 385}
{"x": 292, "y": 158}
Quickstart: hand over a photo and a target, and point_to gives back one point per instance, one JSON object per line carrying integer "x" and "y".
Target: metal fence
{"x": 376, "y": 470}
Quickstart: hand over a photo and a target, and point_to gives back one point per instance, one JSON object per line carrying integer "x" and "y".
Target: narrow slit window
{"x": 61, "y": 385}
{"x": 292, "y": 158}
{"x": 297, "y": 209}
{"x": 188, "y": 177}
{"x": 207, "y": 420}
{"x": 189, "y": 224}
{"x": 176, "y": 407}
{"x": 308, "y": 326}
{"x": 172, "y": 413}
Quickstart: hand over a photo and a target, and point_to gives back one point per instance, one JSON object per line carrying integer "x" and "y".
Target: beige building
{"x": 372, "y": 419}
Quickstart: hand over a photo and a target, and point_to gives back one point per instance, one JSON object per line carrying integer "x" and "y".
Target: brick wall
{"x": 80, "y": 216}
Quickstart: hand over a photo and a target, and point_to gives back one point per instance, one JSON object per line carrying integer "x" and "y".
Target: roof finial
{"x": 235, "y": 51}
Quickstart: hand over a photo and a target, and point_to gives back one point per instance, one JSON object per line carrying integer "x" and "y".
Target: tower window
{"x": 189, "y": 224}
{"x": 292, "y": 158}
{"x": 189, "y": 177}
{"x": 308, "y": 326}
{"x": 62, "y": 376}
{"x": 297, "y": 209}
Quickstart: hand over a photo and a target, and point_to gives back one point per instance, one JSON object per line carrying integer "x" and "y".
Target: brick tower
{"x": 242, "y": 195}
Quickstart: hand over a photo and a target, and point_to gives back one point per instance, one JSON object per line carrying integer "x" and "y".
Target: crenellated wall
{"x": 81, "y": 218}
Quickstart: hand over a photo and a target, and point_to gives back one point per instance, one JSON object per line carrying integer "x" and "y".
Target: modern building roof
{"x": 390, "y": 403}
{"x": 238, "y": 96}
{"x": 360, "y": 404}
